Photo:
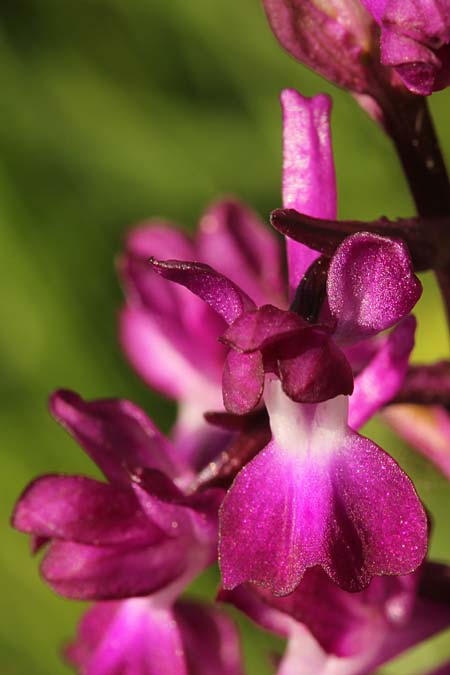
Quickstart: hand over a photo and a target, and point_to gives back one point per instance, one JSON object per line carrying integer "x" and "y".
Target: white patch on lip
{"x": 303, "y": 428}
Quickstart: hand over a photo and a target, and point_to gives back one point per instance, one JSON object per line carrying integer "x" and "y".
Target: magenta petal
{"x": 375, "y": 7}
{"x": 371, "y": 285}
{"x": 110, "y": 572}
{"x": 258, "y": 329}
{"x": 141, "y": 637}
{"x": 383, "y": 376}
{"x": 225, "y": 297}
{"x": 414, "y": 40}
{"x": 117, "y": 434}
{"x": 242, "y": 381}
{"x": 344, "y": 504}
{"x": 83, "y": 510}
{"x": 210, "y": 640}
{"x": 309, "y": 182}
{"x": 168, "y": 356}
{"x": 344, "y": 624}
{"x": 157, "y": 238}
{"x": 143, "y": 286}
{"x": 317, "y": 370}
{"x": 177, "y": 514}
{"x": 234, "y": 241}
{"x": 133, "y": 637}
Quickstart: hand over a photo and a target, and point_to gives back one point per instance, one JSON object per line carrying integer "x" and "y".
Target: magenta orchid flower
{"x": 331, "y": 632}
{"x": 415, "y": 40}
{"x": 143, "y": 636}
{"x": 317, "y": 476}
{"x": 169, "y": 335}
{"x": 350, "y": 516}
{"x": 132, "y": 535}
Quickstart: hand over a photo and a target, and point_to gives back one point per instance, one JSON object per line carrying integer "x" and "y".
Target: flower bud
{"x": 415, "y": 40}
{"x": 333, "y": 37}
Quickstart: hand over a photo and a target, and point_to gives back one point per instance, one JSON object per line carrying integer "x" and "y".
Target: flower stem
{"x": 408, "y": 121}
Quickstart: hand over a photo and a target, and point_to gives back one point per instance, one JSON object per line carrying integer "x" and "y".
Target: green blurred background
{"x": 112, "y": 111}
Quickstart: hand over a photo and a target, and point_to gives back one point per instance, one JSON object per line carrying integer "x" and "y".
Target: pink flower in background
{"x": 144, "y": 636}
{"x": 169, "y": 336}
{"x": 331, "y": 632}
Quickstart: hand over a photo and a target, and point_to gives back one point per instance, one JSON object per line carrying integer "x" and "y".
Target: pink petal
{"x": 210, "y": 640}
{"x": 371, "y": 285}
{"x": 133, "y": 637}
{"x": 234, "y": 241}
{"x": 167, "y": 355}
{"x": 344, "y": 624}
{"x": 242, "y": 381}
{"x": 117, "y": 434}
{"x": 179, "y": 515}
{"x": 383, "y": 376}
{"x": 343, "y": 504}
{"x": 157, "y": 238}
{"x": 375, "y": 7}
{"x": 164, "y": 319}
{"x": 86, "y": 572}
{"x": 316, "y": 370}
{"x": 140, "y": 637}
{"x": 225, "y": 297}
{"x": 309, "y": 182}
{"x": 142, "y": 285}
{"x": 414, "y": 40}
{"x": 259, "y": 328}
{"x": 368, "y": 628}
{"x": 83, "y": 510}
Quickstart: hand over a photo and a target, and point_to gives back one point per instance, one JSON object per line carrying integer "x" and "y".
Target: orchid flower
{"x": 317, "y": 477}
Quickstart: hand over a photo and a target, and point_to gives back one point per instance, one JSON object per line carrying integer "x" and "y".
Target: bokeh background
{"x": 112, "y": 111}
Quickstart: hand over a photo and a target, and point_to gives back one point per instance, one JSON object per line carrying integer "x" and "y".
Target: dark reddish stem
{"x": 408, "y": 121}
{"x": 427, "y": 384}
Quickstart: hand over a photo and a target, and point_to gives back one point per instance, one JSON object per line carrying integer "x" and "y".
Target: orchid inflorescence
{"x": 320, "y": 536}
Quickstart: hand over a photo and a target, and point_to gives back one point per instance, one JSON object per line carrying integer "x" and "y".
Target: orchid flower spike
{"x": 344, "y": 504}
